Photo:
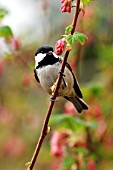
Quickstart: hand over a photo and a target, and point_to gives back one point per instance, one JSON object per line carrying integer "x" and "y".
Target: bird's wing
{"x": 36, "y": 77}
{"x": 76, "y": 85}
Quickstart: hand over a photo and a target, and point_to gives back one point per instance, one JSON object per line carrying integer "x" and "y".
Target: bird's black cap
{"x": 44, "y": 49}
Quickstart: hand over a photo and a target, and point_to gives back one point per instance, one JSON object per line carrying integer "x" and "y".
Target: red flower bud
{"x": 59, "y": 47}
{"x": 63, "y": 8}
{"x": 66, "y": 7}
{"x": 62, "y": 1}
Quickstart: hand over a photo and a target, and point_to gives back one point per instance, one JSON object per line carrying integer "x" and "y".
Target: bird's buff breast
{"x": 48, "y": 76}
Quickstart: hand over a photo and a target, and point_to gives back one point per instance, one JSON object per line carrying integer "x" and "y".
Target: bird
{"x": 47, "y": 67}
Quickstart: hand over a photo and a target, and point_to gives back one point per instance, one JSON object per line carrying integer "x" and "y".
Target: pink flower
{"x": 56, "y": 142}
{"x": 63, "y": 8}
{"x": 62, "y": 1}
{"x": 69, "y": 108}
{"x": 92, "y": 165}
{"x": 66, "y": 7}
{"x": 59, "y": 47}
{"x": 102, "y": 126}
{"x": 15, "y": 43}
{"x": 95, "y": 110}
{"x": 14, "y": 146}
{"x": 57, "y": 150}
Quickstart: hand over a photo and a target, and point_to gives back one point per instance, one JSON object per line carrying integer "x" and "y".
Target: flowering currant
{"x": 66, "y": 7}
{"x": 59, "y": 47}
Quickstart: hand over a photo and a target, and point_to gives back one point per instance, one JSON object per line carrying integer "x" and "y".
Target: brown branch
{"x": 45, "y": 127}
{"x": 75, "y": 16}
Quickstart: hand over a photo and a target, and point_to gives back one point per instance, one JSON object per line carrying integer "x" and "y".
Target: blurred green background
{"x": 23, "y": 103}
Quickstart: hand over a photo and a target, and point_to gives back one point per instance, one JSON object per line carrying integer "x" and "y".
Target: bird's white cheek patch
{"x": 56, "y": 56}
{"x": 38, "y": 58}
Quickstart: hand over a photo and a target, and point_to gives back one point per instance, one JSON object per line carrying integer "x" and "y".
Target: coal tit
{"x": 47, "y": 67}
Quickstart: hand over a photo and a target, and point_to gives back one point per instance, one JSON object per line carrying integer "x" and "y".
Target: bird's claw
{"x": 53, "y": 87}
{"x": 62, "y": 74}
{"x": 53, "y": 100}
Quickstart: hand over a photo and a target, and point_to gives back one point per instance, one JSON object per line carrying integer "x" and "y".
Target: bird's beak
{"x": 50, "y": 52}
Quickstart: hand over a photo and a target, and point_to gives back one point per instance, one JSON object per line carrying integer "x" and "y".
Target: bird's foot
{"x": 53, "y": 100}
{"x": 53, "y": 87}
{"x": 62, "y": 74}
{"x": 63, "y": 86}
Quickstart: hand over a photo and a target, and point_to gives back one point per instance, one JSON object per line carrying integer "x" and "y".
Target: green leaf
{"x": 27, "y": 164}
{"x": 79, "y": 37}
{"x": 85, "y": 123}
{"x": 80, "y": 122}
{"x": 68, "y": 162}
{"x": 86, "y": 2}
{"x": 5, "y": 31}
{"x": 91, "y": 125}
{"x": 68, "y": 29}
{"x": 76, "y": 37}
{"x": 69, "y": 39}
{"x": 58, "y": 118}
{"x": 3, "y": 13}
{"x": 82, "y": 150}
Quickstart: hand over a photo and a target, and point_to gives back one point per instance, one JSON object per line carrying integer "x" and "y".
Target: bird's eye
{"x": 42, "y": 51}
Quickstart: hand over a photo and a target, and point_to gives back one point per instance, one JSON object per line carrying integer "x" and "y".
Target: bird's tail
{"x": 78, "y": 103}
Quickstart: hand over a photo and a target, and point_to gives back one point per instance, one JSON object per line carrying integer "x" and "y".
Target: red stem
{"x": 75, "y": 16}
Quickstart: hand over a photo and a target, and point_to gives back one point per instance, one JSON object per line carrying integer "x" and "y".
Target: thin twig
{"x": 48, "y": 114}
{"x": 75, "y": 16}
